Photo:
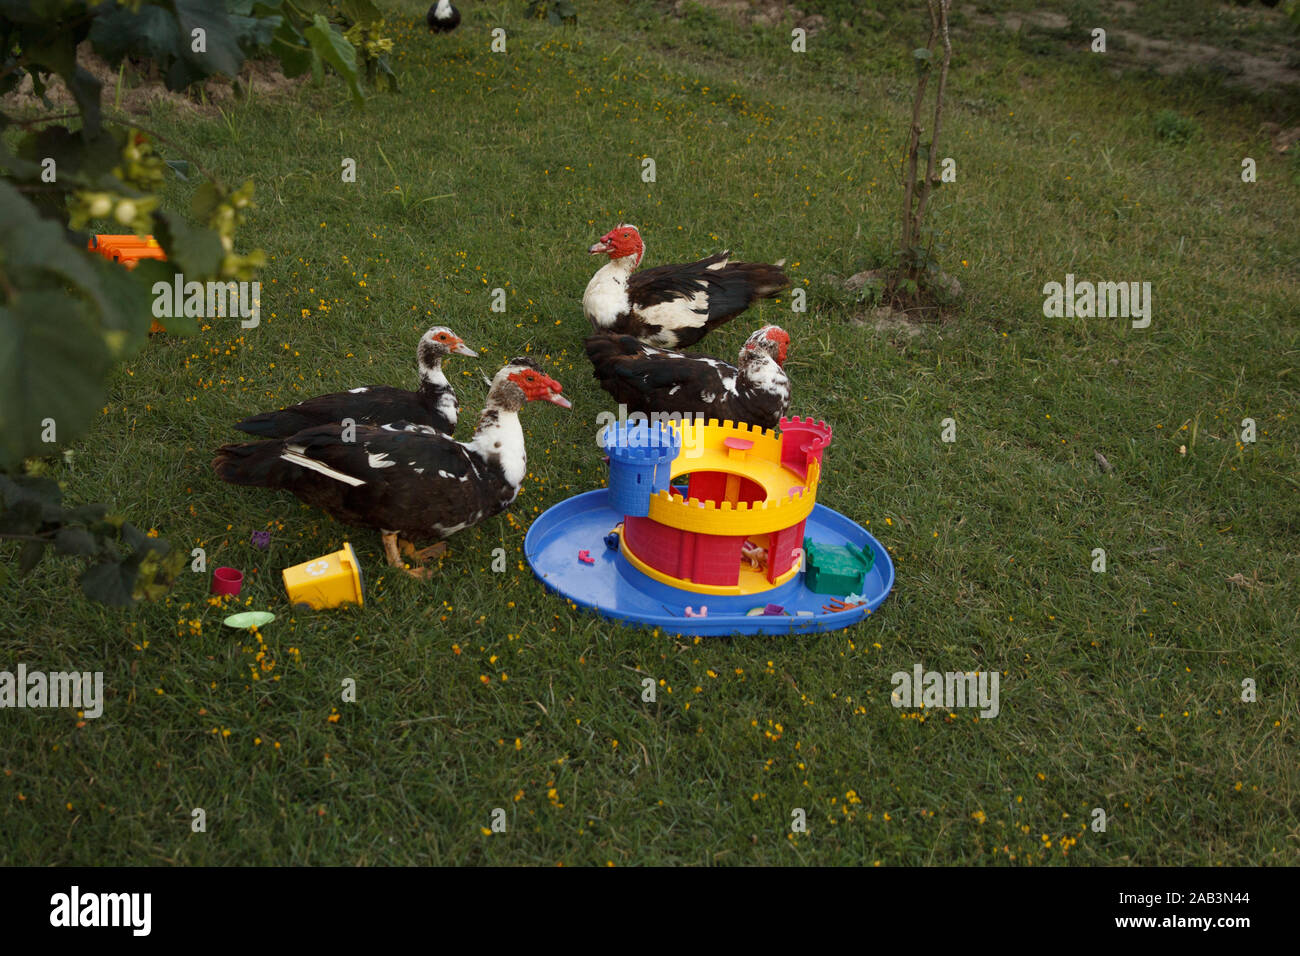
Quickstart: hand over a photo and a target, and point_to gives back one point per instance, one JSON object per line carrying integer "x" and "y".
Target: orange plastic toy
{"x": 129, "y": 250}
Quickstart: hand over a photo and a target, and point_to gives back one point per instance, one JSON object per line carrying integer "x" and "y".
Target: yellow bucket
{"x": 326, "y": 581}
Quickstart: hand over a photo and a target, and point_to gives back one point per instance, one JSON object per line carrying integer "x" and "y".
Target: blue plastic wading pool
{"x": 615, "y": 589}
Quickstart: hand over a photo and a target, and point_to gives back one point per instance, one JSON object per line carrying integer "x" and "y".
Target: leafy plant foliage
{"x": 67, "y": 314}
{"x": 126, "y": 563}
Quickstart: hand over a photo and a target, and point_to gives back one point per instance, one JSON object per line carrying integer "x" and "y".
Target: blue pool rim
{"x": 557, "y": 535}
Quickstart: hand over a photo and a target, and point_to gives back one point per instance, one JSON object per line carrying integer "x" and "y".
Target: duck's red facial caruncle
{"x": 774, "y": 338}
{"x": 539, "y": 387}
{"x": 621, "y": 241}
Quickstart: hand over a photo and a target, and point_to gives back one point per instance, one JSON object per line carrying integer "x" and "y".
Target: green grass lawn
{"x": 477, "y": 690}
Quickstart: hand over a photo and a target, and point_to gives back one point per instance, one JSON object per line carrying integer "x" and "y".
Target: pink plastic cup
{"x": 227, "y": 581}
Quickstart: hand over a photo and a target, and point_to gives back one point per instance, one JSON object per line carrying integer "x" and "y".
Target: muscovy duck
{"x": 404, "y": 479}
{"x": 671, "y": 306}
{"x": 434, "y": 404}
{"x": 442, "y": 17}
{"x": 647, "y": 379}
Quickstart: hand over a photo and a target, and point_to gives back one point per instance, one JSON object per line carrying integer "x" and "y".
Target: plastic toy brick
{"x": 835, "y": 569}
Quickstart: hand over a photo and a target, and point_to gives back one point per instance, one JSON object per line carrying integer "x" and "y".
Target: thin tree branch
{"x": 928, "y": 187}
{"x": 42, "y": 119}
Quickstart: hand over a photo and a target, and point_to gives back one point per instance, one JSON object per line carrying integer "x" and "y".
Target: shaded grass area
{"x": 479, "y": 691}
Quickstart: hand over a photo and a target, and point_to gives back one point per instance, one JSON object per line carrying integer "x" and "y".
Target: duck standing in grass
{"x": 442, "y": 17}
{"x": 405, "y": 480}
{"x": 671, "y": 306}
{"x": 434, "y": 404}
{"x": 647, "y": 379}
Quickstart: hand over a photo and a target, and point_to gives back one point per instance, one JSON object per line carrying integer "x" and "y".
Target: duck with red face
{"x": 670, "y": 306}
{"x": 648, "y": 379}
{"x": 404, "y": 479}
{"x": 434, "y": 404}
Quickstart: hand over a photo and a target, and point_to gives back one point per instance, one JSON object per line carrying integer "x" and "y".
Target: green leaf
{"x": 253, "y": 34}
{"x": 110, "y": 582}
{"x": 133, "y": 537}
{"x": 181, "y": 168}
{"x": 86, "y": 514}
{"x": 192, "y": 250}
{"x": 128, "y": 317}
{"x": 205, "y": 202}
{"x": 77, "y": 159}
{"x": 151, "y": 33}
{"x": 921, "y": 53}
{"x": 293, "y": 51}
{"x": 157, "y": 572}
{"x": 359, "y": 11}
{"x": 164, "y": 35}
{"x": 30, "y": 555}
{"x": 71, "y": 540}
{"x": 86, "y": 91}
{"x": 52, "y": 48}
{"x": 21, "y": 517}
{"x": 44, "y": 492}
{"x": 18, "y": 167}
{"x": 330, "y": 46}
{"x": 223, "y": 54}
{"x": 148, "y": 273}
{"x": 52, "y": 365}
{"x": 31, "y": 247}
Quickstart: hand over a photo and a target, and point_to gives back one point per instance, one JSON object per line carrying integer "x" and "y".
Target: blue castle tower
{"x": 641, "y": 454}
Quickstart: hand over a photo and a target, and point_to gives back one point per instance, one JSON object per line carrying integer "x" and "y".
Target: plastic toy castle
{"x": 747, "y": 488}
{"x": 712, "y": 528}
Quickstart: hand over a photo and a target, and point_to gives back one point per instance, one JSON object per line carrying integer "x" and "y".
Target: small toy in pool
{"x": 586, "y": 558}
{"x": 835, "y": 569}
{"x": 702, "y": 612}
{"x": 838, "y": 605}
{"x": 754, "y": 554}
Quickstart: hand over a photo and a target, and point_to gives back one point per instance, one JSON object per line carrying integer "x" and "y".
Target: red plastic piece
{"x": 803, "y": 441}
{"x": 782, "y": 547}
{"x": 838, "y": 605}
{"x": 702, "y": 558}
{"x": 585, "y": 557}
{"x": 227, "y": 581}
